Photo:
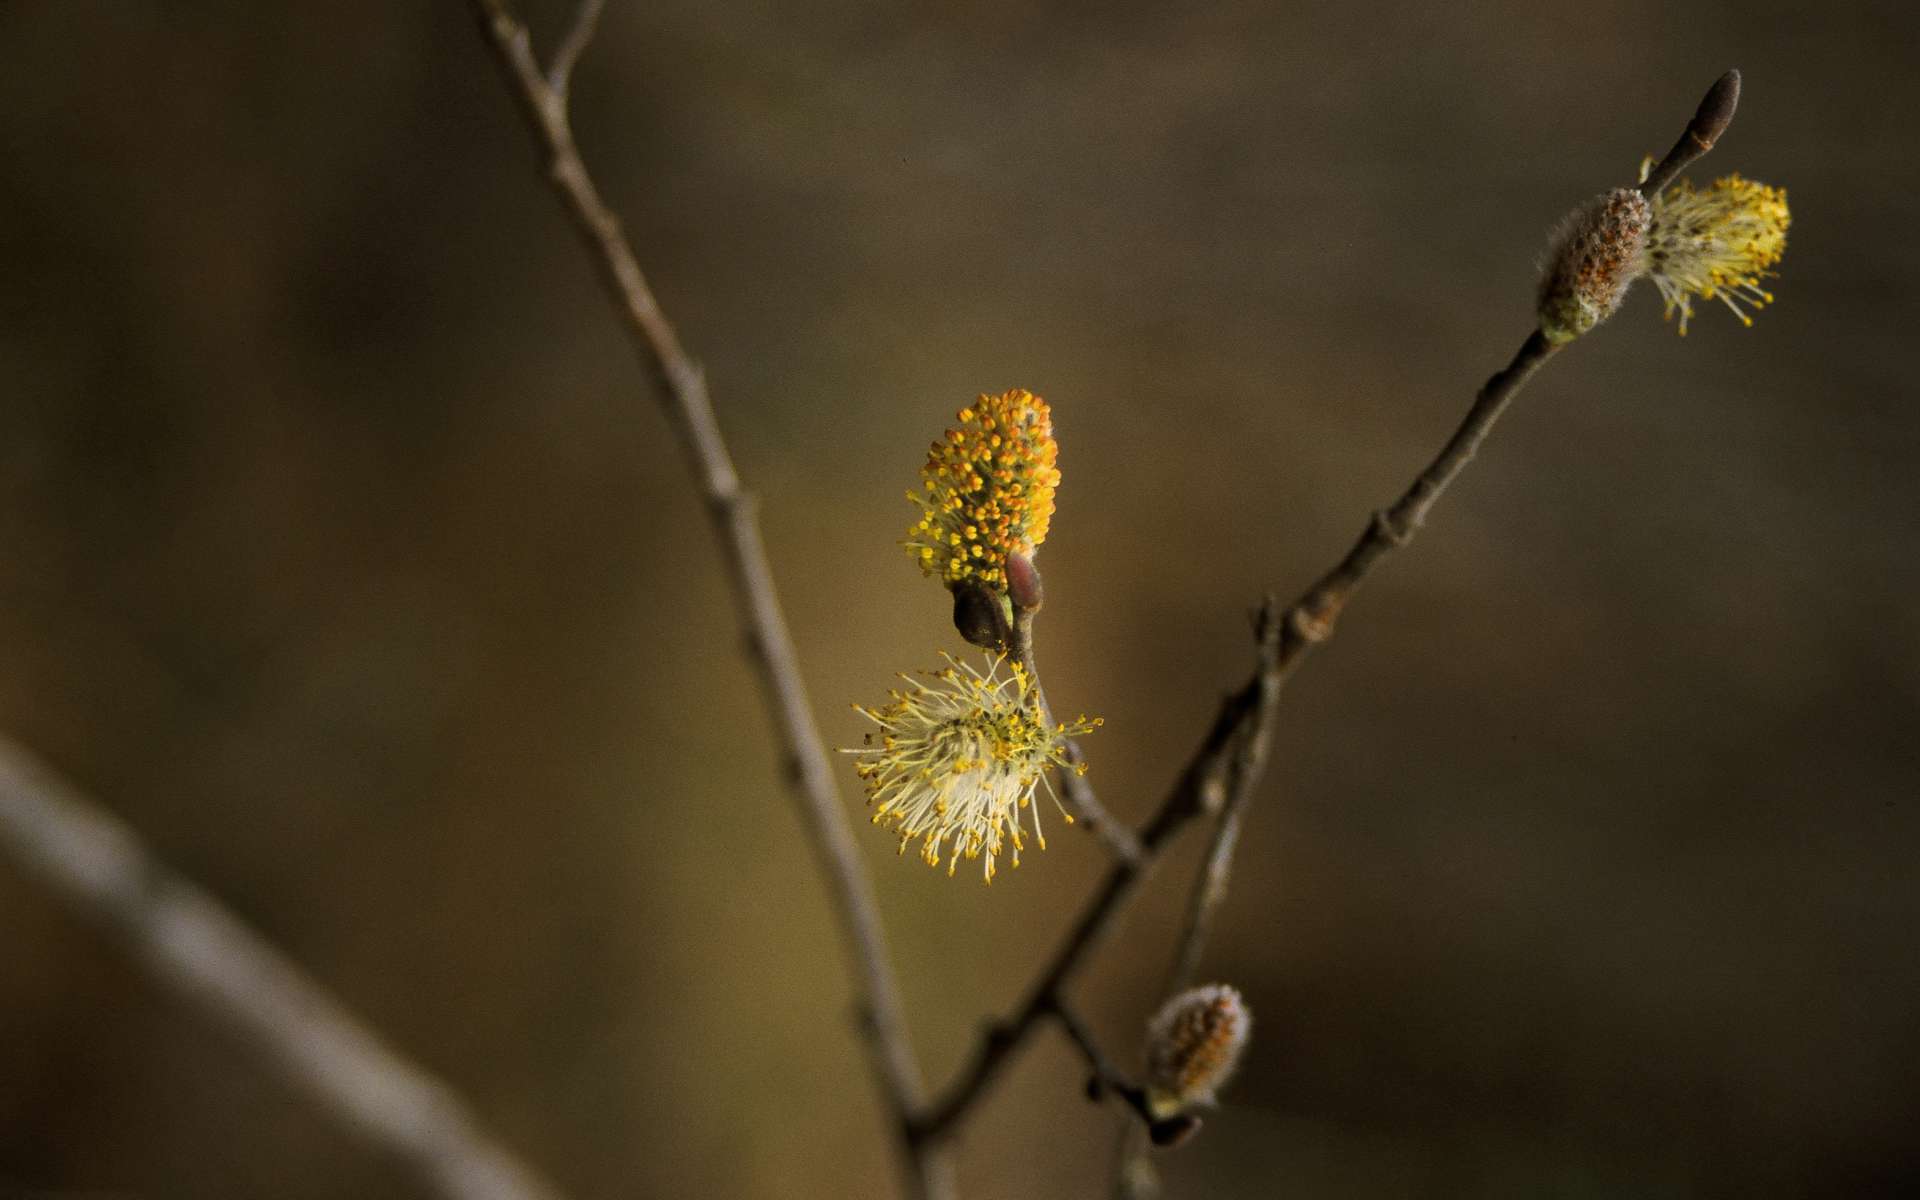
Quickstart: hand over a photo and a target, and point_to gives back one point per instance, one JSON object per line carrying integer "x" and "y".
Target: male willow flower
{"x": 1716, "y": 244}
{"x": 959, "y": 753}
{"x": 1193, "y": 1046}
{"x": 986, "y": 491}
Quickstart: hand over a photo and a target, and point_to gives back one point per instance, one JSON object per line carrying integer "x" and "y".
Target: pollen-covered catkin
{"x": 986, "y": 491}
{"x": 1717, "y": 243}
{"x": 958, "y": 754}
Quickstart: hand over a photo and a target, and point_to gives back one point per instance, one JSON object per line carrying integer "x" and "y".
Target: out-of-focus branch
{"x": 586, "y": 21}
{"x": 194, "y": 945}
{"x": 732, "y": 510}
{"x": 1105, "y": 1080}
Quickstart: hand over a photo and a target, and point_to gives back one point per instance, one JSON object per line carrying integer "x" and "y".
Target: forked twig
{"x": 1203, "y": 787}
{"x": 1311, "y": 618}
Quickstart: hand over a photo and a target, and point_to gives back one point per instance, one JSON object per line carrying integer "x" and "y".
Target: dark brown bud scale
{"x": 980, "y": 614}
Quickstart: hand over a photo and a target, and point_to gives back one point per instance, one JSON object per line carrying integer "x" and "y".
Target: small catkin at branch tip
{"x": 1194, "y": 1045}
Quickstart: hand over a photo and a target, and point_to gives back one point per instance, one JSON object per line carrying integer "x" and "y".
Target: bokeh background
{"x": 345, "y": 552}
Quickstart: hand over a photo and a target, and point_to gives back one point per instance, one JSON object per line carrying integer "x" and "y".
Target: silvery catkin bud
{"x": 1597, "y": 251}
{"x": 1193, "y": 1045}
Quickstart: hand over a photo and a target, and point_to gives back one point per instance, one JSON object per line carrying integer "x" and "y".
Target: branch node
{"x": 1314, "y": 627}
{"x": 1388, "y": 530}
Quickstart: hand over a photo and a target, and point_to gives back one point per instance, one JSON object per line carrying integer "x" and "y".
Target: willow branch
{"x": 586, "y": 21}
{"x": 1200, "y": 789}
{"x": 1249, "y": 764}
{"x": 732, "y": 511}
{"x": 213, "y": 960}
{"x": 1074, "y": 788}
{"x": 1311, "y": 619}
{"x": 1204, "y": 786}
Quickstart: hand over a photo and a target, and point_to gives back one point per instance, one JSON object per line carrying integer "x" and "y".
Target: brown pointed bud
{"x": 980, "y": 614}
{"x": 1023, "y": 583}
{"x": 1710, "y": 120}
{"x": 1597, "y": 252}
{"x": 1193, "y": 1045}
{"x": 1716, "y": 110}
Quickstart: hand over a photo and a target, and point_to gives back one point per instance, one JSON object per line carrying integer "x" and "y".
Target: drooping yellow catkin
{"x": 986, "y": 490}
{"x": 1193, "y": 1045}
{"x": 1716, "y": 244}
{"x": 958, "y": 754}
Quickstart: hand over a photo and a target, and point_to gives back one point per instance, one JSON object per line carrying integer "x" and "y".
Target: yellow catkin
{"x": 1716, "y": 244}
{"x": 958, "y": 753}
{"x": 986, "y": 490}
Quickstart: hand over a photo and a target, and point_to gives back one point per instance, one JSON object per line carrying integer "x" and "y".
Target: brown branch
{"x": 1108, "y": 1080}
{"x": 1105, "y": 1076}
{"x": 1313, "y": 616}
{"x": 1249, "y": 764}
{"x": 1203, "y": 787}
{"x": 1311, "y": 620}
{"x": 1074, "y": 788}
{"x": 1223, "y": 768}
{"x": 586, "y": 21}
{"x": 1199, "y": 790}
{"x": 208, "y": 956}
{"x": 1210, "y": 888}
{"x": 731, "y": 508}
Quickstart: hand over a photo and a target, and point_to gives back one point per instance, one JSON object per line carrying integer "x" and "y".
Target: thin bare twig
{"x": 1078, "y": 794}
{"x": 1106, "y": 1078}
{"x": 1249, "y": 764}
{"x": 586, "y": 20}
{"x": 732, "y": 510}
{"x": 194, "y": 945}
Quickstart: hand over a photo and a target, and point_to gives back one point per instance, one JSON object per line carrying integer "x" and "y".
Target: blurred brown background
{"x": 345, "y": 552}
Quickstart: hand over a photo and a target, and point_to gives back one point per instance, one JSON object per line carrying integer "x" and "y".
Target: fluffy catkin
{"x": 1193, "y": 1045}
{"x": 1596, "y": 253}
